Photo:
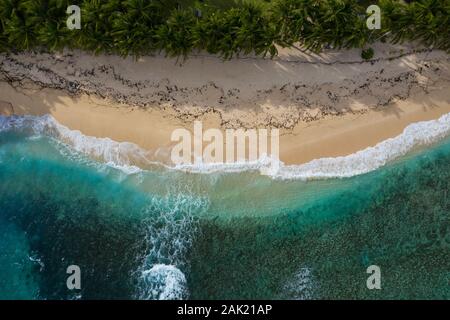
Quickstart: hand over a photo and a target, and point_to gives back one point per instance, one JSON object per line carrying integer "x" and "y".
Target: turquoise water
{"x": 168, "y": 234}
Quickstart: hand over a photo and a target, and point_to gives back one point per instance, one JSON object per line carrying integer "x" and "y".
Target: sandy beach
{"x": 227, "y": 150}
{"x": 326, "y": 106}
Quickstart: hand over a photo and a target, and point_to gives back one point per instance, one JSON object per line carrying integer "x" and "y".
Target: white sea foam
{"x": 164, "y": 282}
{"x": 130, "y": 158}
{"x": 34, "y": 258}
{"x": 120, "y": 155}
{"x": 415, "y": 135}
{"x": 170, "y": 228}
{"x": 300, "y": 287}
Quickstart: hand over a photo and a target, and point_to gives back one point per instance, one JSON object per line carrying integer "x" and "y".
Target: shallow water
{"x": 165, "y": 234}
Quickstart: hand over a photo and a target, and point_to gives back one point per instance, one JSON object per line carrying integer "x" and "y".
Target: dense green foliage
{"x": 223, "y": 27}
{"x": 367, "y": 54}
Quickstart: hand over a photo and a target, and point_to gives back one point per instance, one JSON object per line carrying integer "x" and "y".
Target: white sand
{"x": 327, "y": 105}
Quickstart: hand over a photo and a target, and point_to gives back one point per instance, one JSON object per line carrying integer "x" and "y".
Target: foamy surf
{"x": 300, "y": 287}
{"x": 170, "y": 228}
{"x": 130, "y": 158}
{"x": 415, "y": 135}
{"x": 124, "y": 156}
{"x": 164, "y": 282}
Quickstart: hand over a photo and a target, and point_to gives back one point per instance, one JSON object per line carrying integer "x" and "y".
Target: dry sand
{"x": 328, "y": 105}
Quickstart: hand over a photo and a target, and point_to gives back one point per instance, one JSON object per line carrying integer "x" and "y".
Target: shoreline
{"x": 333, "y": 136}
{"x": 330, "y": 105}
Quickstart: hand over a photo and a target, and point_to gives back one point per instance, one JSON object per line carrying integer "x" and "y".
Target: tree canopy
{"x": 223, "y": 27}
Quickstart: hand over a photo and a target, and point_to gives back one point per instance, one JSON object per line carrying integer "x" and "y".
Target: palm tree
{"x": 225, "y": 27}
{"x": 176, "y": 36}
{"x": 17, "y": 29}
{"x": 96, "y": 25}
{"x": 431, "y": 22}
{"x": 134, "y": 26}
{"x": 49, "y": 22}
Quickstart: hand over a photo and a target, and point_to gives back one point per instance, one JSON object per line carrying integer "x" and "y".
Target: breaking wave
{"x": 164, "y": 282}
{"x": 131, "y": 158}
{"x": 171, "y": 228}
{"x": 125, "y": 156}
{"x": 415, "y": 135}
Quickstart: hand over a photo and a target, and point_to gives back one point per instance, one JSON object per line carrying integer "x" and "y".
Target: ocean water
{"x": 160, "y": 233}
